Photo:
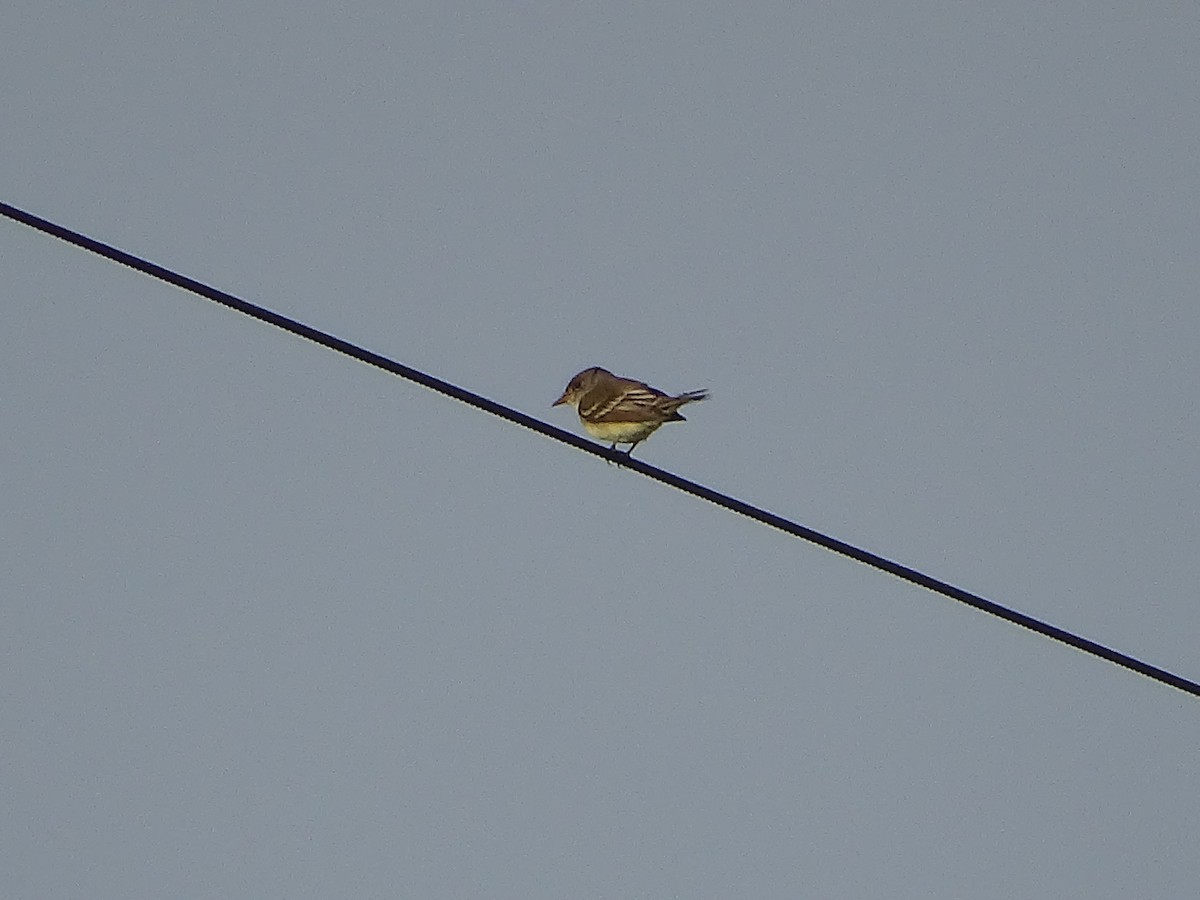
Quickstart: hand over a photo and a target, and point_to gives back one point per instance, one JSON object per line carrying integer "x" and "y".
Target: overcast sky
{"x": 277, "y": 624}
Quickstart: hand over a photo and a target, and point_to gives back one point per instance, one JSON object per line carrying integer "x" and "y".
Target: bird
{"x": 622, "y": 410}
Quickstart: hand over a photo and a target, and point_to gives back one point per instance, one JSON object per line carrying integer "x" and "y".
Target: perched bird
{"x": 622, "y": 410}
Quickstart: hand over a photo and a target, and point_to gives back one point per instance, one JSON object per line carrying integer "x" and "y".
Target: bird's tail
{"x": 672, "y": 404}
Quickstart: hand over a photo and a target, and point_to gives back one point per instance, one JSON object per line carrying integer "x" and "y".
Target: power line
{"x": 660, "y": 475}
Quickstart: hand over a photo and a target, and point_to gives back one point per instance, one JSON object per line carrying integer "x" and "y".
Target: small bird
{"x": 622, "y": 410}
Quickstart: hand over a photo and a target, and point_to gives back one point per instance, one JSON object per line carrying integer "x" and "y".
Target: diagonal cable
{"x": 697, "y": 490}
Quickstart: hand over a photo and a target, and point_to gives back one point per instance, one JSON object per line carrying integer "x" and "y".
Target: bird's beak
{"x": 561, "y": 400}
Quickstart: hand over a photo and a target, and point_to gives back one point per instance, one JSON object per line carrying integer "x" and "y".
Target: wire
{"x": 697, "y": 490}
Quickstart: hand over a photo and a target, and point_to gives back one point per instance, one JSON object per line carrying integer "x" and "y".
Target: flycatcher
{"x": 622, "y": 410}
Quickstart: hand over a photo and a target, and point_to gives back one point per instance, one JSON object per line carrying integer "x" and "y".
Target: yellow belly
{"x": 621, "y": 432}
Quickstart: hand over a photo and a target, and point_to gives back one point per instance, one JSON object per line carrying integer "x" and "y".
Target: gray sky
{"x": 276, "y": 624}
